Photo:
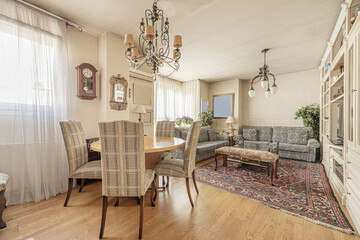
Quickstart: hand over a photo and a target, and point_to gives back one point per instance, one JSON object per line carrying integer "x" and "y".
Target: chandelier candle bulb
{"x": 177, "y": 41}
{"x": 129, "y": 40}
{"x": 149, "y": 32}
{"x": 134, "y": 53}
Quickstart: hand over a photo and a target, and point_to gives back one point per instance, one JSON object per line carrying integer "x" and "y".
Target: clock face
{"x": 87, "y": 73}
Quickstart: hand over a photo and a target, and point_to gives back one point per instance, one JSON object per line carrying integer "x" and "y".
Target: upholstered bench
{"x": 249, "y": 157}
{"x": 3, "y": 182}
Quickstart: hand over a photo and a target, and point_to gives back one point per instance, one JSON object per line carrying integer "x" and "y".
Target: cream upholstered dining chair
{"x": 123, "y": 165}
{"x": 165, "y": 129}
{"x": 183, "y": 167}
{"x": 77, "y": 153}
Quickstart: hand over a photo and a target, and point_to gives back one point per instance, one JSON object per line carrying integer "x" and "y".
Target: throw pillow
{"x": 249, "y": 134}
{"x": 212, "y": 135}
{"x": 203, "y": 137}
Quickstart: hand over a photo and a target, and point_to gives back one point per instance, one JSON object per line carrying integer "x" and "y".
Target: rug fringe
{"x": 348, "y": 231}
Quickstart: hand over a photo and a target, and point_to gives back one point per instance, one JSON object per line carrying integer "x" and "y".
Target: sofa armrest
{"x": 313, "y": 143}
{"x": 222, "y": 137}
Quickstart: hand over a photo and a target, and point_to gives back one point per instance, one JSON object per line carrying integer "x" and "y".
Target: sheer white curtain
{"x": 169, "y": 99}
{"x": 33, "y": 99}
{"x": 191, "y": 98}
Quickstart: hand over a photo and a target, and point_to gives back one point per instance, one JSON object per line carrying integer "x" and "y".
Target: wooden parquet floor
{"x": 216, "y": 215}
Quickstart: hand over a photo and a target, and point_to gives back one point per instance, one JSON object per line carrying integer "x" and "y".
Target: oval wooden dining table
{"x": 154, "y": 145}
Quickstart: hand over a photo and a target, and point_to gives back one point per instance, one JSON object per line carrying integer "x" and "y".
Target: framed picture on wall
{"x": 147, "y": 118}
{"x": 143, "y": 94}
{"x": 223, "y": 105}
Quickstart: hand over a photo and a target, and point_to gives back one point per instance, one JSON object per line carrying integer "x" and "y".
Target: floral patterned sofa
{"x": 294, "y": 142}
{"x": 208, "y": 142}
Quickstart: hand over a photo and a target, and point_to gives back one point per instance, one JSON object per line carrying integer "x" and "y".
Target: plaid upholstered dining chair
{"x": 123, "y": 165}
{"x": 165, "y": 129}
{"x": 77, "y": 154}
{"x": 183, "y": 168}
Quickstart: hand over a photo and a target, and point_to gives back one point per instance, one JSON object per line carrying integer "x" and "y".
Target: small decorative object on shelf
{"x": 341, "y": 69}
{"x": 86, "y": 81}
{"x": 326, "y": 67}
{"x": 339, "y": 93}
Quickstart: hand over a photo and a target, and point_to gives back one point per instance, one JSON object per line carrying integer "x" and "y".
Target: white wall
{"x": 83, "y": 48}
{"x": 294, "y": 90}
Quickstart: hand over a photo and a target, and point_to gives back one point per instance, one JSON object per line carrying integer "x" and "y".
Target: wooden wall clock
{"x": 86, "y": 81}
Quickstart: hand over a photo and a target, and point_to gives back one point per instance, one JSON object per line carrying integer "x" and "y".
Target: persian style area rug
{"x": 302, "y": 189}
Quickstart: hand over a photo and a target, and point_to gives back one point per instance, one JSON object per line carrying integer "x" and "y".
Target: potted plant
{"x": 207, "y": 118}
{"x": 310, "y": 115}
{"x": 184, "y": 121}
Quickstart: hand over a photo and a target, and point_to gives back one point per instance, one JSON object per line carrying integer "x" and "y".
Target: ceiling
{"x": 222, "y": 39}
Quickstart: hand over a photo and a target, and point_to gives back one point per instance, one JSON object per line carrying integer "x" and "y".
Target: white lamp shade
{"x": 231, "y": 120}
{"x": 263, "y": 83}
{"x": 273, "y": 90}
{"x": 251, "y": 93}
{"x": 267, "y": 94}
{"x": 139, "y": 109}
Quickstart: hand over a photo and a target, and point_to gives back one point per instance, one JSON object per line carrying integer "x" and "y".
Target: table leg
{"x": 272, "y": 173}
{"x": 216, "y": 163}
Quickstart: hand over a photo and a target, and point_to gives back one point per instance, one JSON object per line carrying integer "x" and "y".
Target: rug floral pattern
{"x": 302, "y": 189}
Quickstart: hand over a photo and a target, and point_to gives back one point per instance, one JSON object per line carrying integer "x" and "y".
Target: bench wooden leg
{"x": 2, "y": 206}
{"x": 225, "y": 160}
{"x": 272, "y": 173}
{"x": 216, "y": 163}
{"x": 276, "y": 168}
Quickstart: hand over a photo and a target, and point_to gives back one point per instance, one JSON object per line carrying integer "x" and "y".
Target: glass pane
{"x": 203, "y": 106}
{"x": 222, "y": 106}
{"x": 351, "y": 103}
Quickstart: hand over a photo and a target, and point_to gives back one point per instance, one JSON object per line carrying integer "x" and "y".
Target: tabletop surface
{"x": 152, "y": 144}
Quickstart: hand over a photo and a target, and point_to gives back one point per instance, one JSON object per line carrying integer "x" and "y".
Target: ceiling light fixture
{"x": 153, "y": 43}
{"x": 263, "y": 76}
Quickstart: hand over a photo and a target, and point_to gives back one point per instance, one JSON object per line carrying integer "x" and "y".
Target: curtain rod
{"x": 68, "y": 23}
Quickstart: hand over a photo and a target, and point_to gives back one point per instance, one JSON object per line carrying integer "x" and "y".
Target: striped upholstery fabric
{"x": 165, "y": 128}
{"x": 77, "y": 152}
{"x": 182, "y": 167}
{"x": 123, "y": 159}
{"x": 91, "y": 170}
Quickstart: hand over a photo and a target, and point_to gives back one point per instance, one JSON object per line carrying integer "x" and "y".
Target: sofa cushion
{"x": 259, "y": 145}
{"x": 250, "y": 134}
{"x": 203, "y": 137}
{"x": 210, "y": 146}
{"x": 184, "y": 134}
{"x": 280, "y": 134}
{"x": 263, "y": 133}
{"x": 298, "y": 136}
{"x": 293, "y": 147}
{"x": 212, "y": 135}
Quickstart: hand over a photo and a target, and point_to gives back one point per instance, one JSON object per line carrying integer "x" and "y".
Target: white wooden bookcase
{"x": 342, "y": 162}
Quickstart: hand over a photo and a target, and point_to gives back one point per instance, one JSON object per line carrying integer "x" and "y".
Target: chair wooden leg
{"x": 188, "y": 191}
{"x": 153, "y": 189}
{"x": 69, "y": 191}
{"x": 141, "y": 216}
{"x": 116, "y": 201}
{"x": 155, "y": 180}
{"x": 194, "y": 180}
{"x": 82, "y": 184}
{"x": 163, "y": 181}
{"x": 168, "y": 182}
{"x": 103, "y": 216}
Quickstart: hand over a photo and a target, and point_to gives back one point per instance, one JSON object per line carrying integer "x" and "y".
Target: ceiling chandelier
{"x": 263, "y": 76}
{"x": 153, "y": 43}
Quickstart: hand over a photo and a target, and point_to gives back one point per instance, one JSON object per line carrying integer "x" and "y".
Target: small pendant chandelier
{"x": 153, "y": 43}
{"x": 263, "y": 76}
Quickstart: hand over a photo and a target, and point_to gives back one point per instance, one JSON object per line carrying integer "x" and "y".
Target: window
{"x": 223, "y": 105}
{"x": 204, "y": 106}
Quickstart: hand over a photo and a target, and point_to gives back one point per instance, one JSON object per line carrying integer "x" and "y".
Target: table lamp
{"x": 140, "y": 110}
{"x": 230, "y": 121}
